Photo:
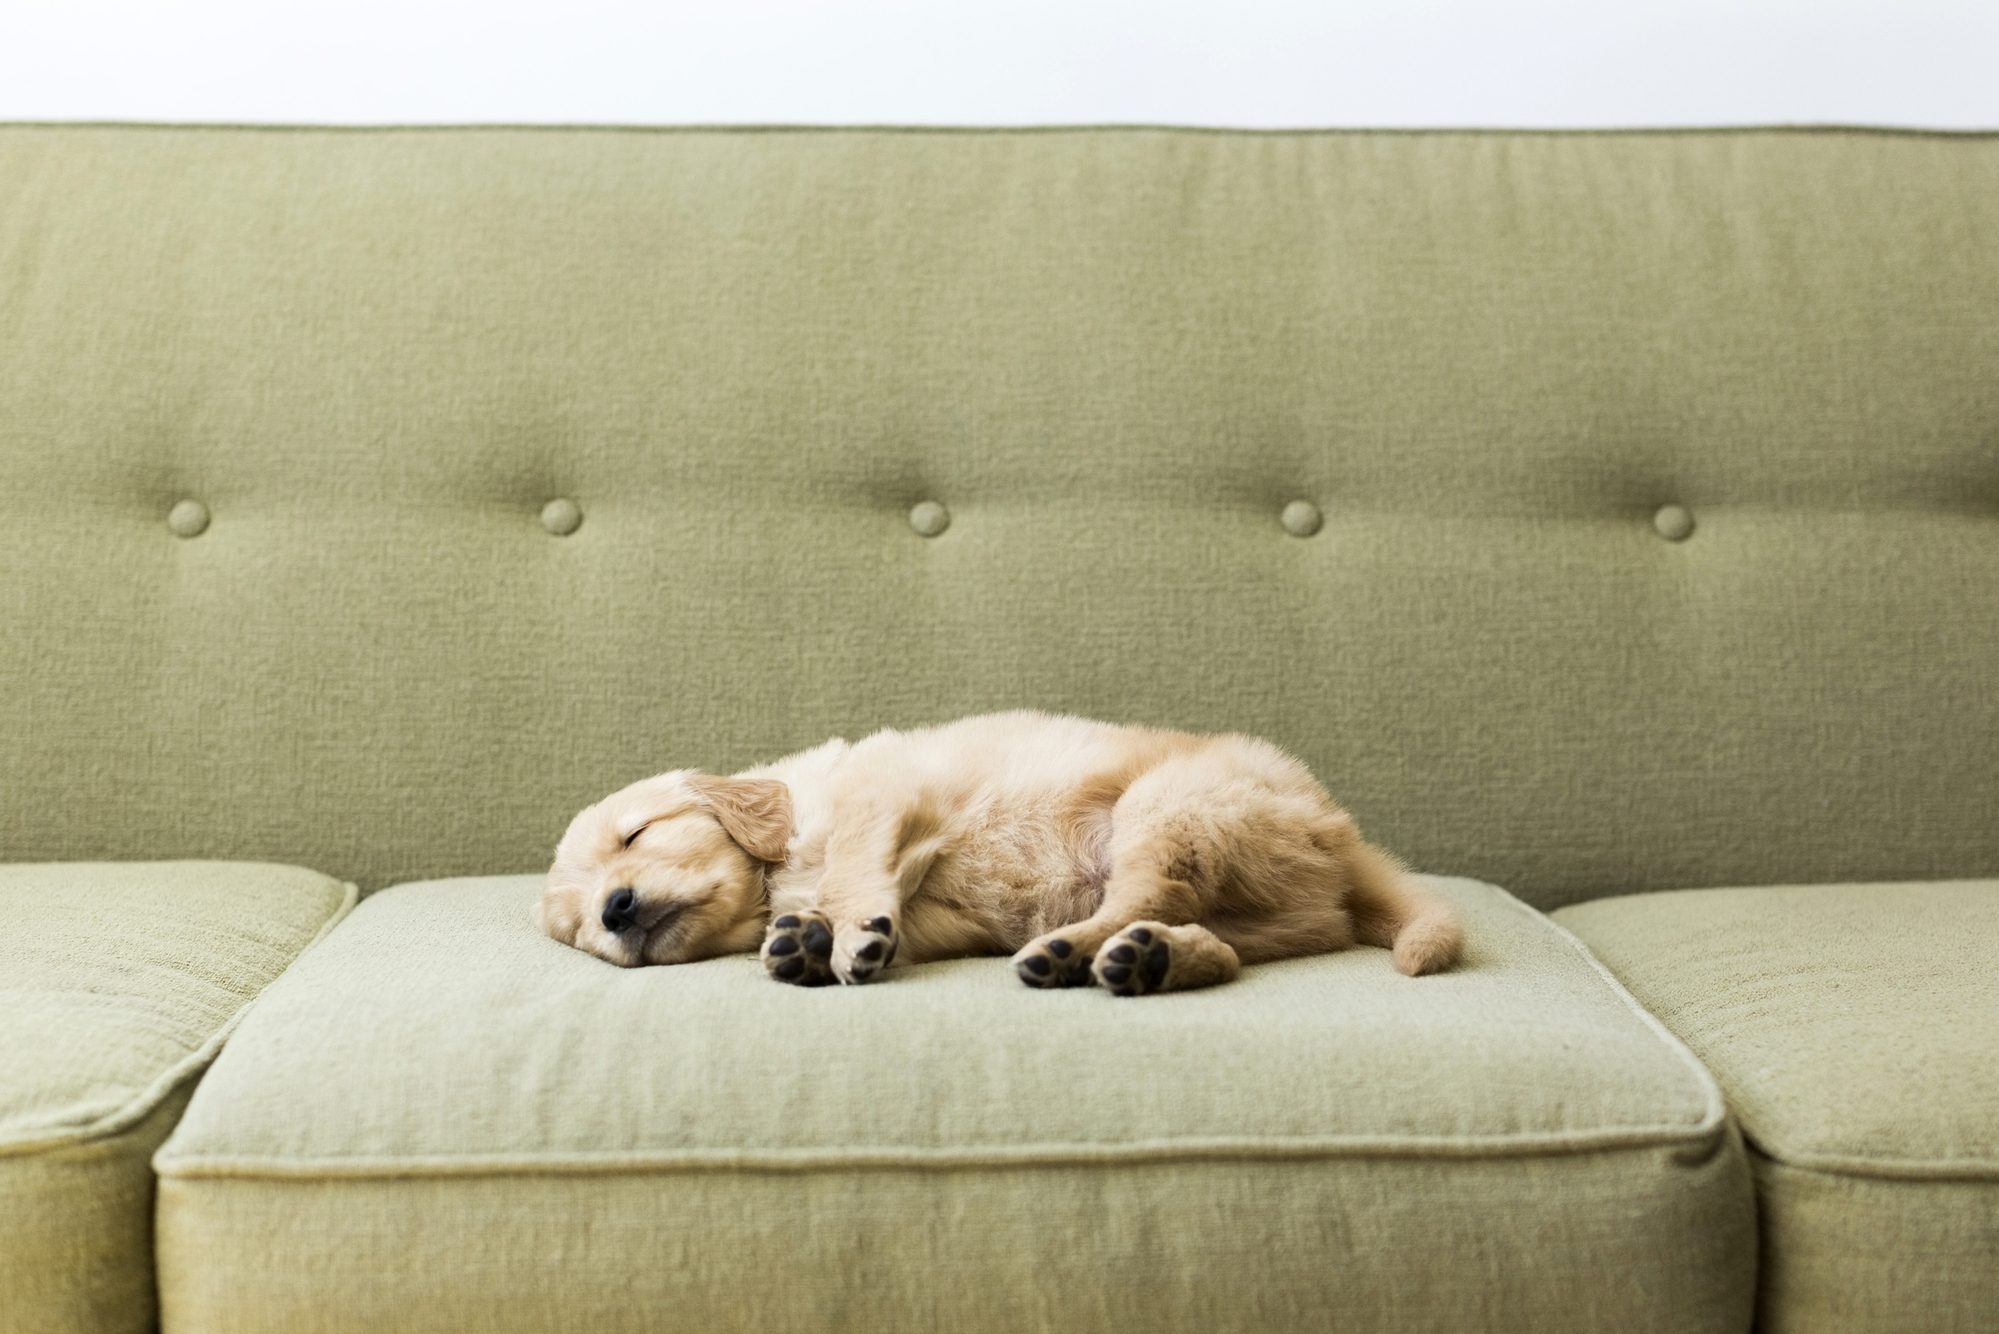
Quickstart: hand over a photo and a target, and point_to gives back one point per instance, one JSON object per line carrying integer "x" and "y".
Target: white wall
{"x": 1254, "y": 62}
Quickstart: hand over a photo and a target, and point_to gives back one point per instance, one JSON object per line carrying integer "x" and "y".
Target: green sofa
{"x": 1612, "y": 520}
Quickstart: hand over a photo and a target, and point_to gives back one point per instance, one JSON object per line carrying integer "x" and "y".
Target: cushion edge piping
{"x": 1001, "y": 1156}
{"x": 1715, "y": 1105}
{"x": 1874, "y": 1169}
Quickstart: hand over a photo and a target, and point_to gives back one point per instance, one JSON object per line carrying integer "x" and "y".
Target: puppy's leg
{"x": 878, "y": 854}
{"x": 1230, "y": 833}
{"x": 863, "y": 947}
{"x": 1158, "y": 874}
{"x": 1151, "y": 956}
{"x": 1064, "y": 957}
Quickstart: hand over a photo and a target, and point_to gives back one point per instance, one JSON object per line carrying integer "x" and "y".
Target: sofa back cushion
{"x": 1594, "y": 512}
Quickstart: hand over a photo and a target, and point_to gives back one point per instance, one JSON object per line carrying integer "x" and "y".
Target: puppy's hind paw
{"x": 799, "y": 950}
{"x": 1053, "y": 960}
{"x": 1150, "y": 956}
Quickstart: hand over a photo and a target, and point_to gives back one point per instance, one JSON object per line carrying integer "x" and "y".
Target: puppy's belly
{"x": 975, "y": 905}
{"x": 1071, "y": 900}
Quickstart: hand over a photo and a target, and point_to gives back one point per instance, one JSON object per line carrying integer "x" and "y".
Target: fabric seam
{"x": 142, "y": 1104}
{"x": 1107, "y": 127}
{"x": 1877, "y": 1169}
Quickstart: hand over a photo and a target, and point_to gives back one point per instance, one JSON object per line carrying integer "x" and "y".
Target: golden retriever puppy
{"x": 1135, "y": 859}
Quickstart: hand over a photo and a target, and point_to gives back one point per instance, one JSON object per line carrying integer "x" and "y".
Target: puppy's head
{"x": 669, "y": 870}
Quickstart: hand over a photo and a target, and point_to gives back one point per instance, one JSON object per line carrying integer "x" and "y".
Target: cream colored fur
{"x": 1134, "y": 858}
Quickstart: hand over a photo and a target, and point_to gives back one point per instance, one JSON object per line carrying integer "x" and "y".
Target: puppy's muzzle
{"x": 621, "y": 911}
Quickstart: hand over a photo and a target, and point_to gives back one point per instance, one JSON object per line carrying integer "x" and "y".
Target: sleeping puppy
{"x": 1133, "y": 859}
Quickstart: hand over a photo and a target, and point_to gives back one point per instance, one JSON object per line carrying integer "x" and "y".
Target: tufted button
{"x": 1674, "y": 523}
{"x": 188, "y": 518}
{"x": 929, "y": 518}
{"x": 1301, "y": 518}
{"x": 561, "y": 517}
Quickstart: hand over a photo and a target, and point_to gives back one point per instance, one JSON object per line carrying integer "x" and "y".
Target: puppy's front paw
{"x": 861, "y": 951}
{"x": 1053, "y": 960}
{"x": 799, "y": 950}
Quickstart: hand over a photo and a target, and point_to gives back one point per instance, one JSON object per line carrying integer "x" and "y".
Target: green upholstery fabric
{"x": 507, "y": 1134}
{"x": 117, "y": 985}
{"x": 373, "y": 358}
{"x": 1855, "y": 1029}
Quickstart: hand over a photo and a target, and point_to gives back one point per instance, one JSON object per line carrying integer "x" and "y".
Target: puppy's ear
{"x": 560, "y": 913}
{"x": 756, "y": 812}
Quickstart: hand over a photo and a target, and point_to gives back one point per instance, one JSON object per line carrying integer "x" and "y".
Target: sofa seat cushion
{"x": 1855, "y": 1029}
{"x": 118, "y": 983}
{"x": 442, "y": 1111}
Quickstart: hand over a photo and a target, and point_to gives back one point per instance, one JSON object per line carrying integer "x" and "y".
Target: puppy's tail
{"x": 1390, "y": 911}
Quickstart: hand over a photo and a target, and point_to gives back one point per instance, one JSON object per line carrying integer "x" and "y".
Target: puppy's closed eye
{"x": 633, "y": 837}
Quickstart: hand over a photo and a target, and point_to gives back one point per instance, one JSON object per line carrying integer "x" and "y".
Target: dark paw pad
{"x": 1135, "y": 963}
{"x": 1052, "y": 963}
{"x": 799, "y": 950}
{"x": 867, "y": 951}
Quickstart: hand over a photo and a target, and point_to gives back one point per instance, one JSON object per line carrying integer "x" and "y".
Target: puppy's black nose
{"x": 620, "y": 910}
